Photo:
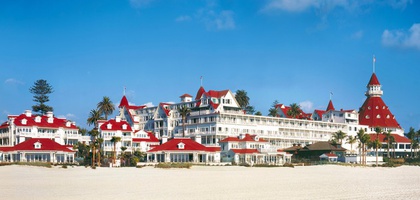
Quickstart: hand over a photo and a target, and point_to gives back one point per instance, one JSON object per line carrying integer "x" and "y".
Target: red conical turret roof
{"x": 373, "y": 80}
{"x": 330, "y": 106}
{"x": 123, "y": 102}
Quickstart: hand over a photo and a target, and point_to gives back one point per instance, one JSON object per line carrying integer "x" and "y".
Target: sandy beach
{"x": 205, "y": 182}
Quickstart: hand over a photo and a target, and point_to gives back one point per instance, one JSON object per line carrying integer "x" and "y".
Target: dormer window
{"x": 367, "y": 117}
{"x": 377, "y": 107}
{"x": 378, "y": 116}
{"x": 38, "y": 119}
{"x": 50, "y": 120}
{"x": 383, "y": 107}
{"x": 256, "y": 138}
{"x": 109, "y": 126}
{"x": 24, "y": 121}
{"x": 181, "y": 145}
{"x": 124, "y": 126}
{"x": 37, "y": 145}
{"x": 368, "y": 107}
{"x": 387, "y": 116}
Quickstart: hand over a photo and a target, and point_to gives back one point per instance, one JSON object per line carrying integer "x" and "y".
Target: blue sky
{"x": 291, "y": 51}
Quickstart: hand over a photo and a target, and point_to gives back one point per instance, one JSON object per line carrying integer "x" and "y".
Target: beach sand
{"x": 210, "y": 182}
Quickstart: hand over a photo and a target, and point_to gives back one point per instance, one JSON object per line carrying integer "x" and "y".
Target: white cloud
{"x": 70, "y": 115}
{"x": 291, "y": 5}
{"x": 401, "y": 38}
{"x": 217, "y": 20}
{"x": 357, "y": 35}
{"x": 149, "y": 104}
{"x": 306, "y": 106}
{"x": 183, "y": 18}
{"x": 140, "y": 3}
{"x": 12, "y": 81}
{"x": 399, "y": 4}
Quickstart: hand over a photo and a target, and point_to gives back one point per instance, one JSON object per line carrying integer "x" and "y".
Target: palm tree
{"x": 351, "y": 140}
{"x": 411, "y": 135}
{"x": 273, "y": 111}
{"x": 242, "y": 98}
{"x": 392, "y": 141}
{"x": 184, "y": 111}
{"x": 115, "y": 140}
{"x": 93, "y": 133}
{"x": 363, "y": 140}
{"x": 378, "y": 131}
{"x": 388, "y": 136}
{"x": 123, "y": 153}
{"x": 106, "y": 107}
{"x": 294, "y": 110}
{"x": 93, "y": 118}
{"x": 339, "y": 136}
{"x": 99, "y": 142}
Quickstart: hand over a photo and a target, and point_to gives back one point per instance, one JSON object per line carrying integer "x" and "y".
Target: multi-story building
{"x": 19, "y": 128}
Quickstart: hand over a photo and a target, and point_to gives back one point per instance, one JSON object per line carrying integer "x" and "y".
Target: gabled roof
{"x": 200, "y": 92}
{"x": 373, "y": 80}
{"x": 319, "y": 113}
{"x": 29, "y": 145}
{"x": 322, "y": 146}
{"x": 124, "y": 103}
{"x": 217, "y": 94}
{"x": 164, "y": 108}
{"x": 382, "y": 138}
{"x": 116, "y": 126}
{"x": 4, "y": 125}
{"x": 150, "y": 138}
{"x": 285, "y": 110}
{"x": 189, "y": 145}
{"x": 330, "y": 106}
{"x": 247, "y": 138}
{"x": 375, "y": 113}
{"x": 43, "y": 123}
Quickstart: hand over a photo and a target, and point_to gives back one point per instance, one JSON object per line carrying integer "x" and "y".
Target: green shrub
{"x": 265, "y": 165}
{"x": 288, "y": 165}
{"x": 64, "y": 166}
{"x": 173, "y": 165}
{"x": 37, "y": 164}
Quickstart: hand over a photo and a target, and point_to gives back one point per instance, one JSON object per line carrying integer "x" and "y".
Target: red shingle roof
{"x": 189, "y": 145}
{"x": 116, "y": 126}
{"x": 373, "y": 80}
{"x": 247, "y": 138}
{"x": 375, "y": 113}
{"x": 185, "y": 95}
{"x": 46, "y": 145}
{"x": 151, "y": 138}
{"x": 382, "y": 138}
{"x": 330, "y": 106}
{"x": 124, "y": 103}
{"x": 43, "y": 123}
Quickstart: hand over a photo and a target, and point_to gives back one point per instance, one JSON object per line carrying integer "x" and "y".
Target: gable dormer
{"x": 24, "y": 121}
{"x": 38, "y": 119}
{"x": 50, "y": 120}
{"x": 181, "y": 145}
{"x": 124, "y": 126}
{"x": 37, "y": 145}
{"x": 256, "y": 138}
{"x": 68, "y": 124}
{"x": 109, "y": 126}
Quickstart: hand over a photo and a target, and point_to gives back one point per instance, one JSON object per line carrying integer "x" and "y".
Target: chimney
{"x": 28, "y": 113}
{"x": 50, "y": 114}
{"x": 198, "y": 139}
{"x": 164, "y": 139}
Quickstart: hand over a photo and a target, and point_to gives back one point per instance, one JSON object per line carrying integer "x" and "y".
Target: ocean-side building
{"x": 19, "y": 128}
{"x": 37, "y": 150}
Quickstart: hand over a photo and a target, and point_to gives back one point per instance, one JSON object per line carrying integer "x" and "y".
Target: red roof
{"x": 124, "y": 103}
{"x": 116, "y": 126}
{"x": 4, "y": 125}
{"x": 382, "y": 138}
{"x": 43, "y": 123}
{"x": 200, "y": 92}
{"x": 330, "y": 155}
{"x": 247, "y": 138}
{"x": 319, "y": 113}
{"x": 189, "y": 145}
{"x": 285, "y": 110}
{"x": 164, "y": 108}
{"x": 46, "y": 145}
{"x": 150, "y": 138}
{"x": 217, "y": 94}
{"x": 185, "y": 95}
{"x": 330, "y": 106}
{"x": 245, "y": 151}
{"x": 373, "y": 80}
{"x": 375, "y": 113}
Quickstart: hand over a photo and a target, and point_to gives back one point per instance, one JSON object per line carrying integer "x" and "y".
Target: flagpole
{"x": 201, "y": 81}
{"x": 373, "y": 63}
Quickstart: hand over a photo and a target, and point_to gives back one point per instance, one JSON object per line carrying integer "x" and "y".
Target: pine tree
{"x": 41, "y": 89}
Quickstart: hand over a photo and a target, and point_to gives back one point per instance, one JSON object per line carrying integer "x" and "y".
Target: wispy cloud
{"x": 12, "y": 81}
{"x": 357, "y": 35}
{"x": 302, "y": 5}
{"x": 399, "y": 4}
{"x": 307, "y": 106}
{"x": 402, "y": 39}
{"x": 183, "y": 18}
{"x": 216, "y": 19}
{"x": 149, "y": 104}
{"x": 140, "y": 3}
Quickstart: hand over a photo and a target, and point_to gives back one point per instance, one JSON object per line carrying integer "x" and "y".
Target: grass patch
{"x": 265, "y": 165}
{"x": 36, "y": 164}
{"x": 173, "y": 165}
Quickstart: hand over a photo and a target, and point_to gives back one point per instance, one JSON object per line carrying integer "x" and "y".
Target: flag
{"x": 374, "y": 59}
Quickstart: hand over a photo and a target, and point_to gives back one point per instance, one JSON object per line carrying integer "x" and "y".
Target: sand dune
{"x": 200, "y": 182}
